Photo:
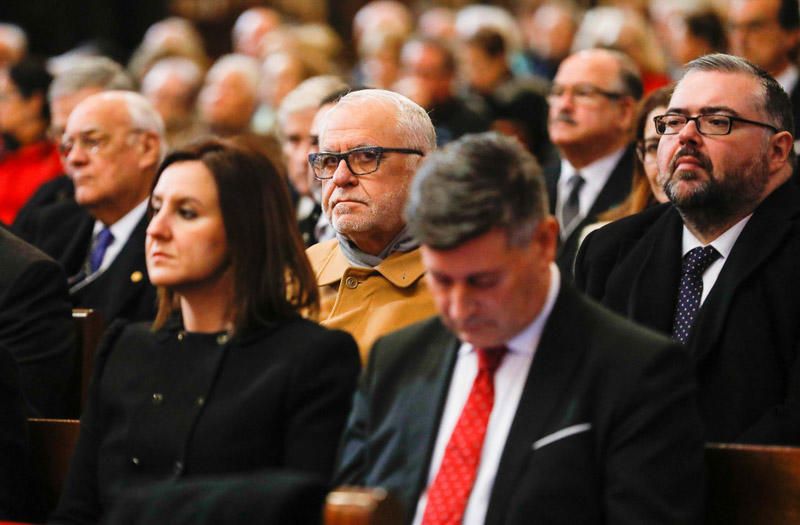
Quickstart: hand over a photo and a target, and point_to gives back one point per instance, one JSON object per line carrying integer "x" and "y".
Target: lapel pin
{"x": 136, "y": 276}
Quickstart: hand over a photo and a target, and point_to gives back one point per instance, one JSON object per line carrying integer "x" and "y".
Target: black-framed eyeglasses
{"x": 360, "y": 161}
{"x": 583, "y": 92}
{"x": 712, "y": 124}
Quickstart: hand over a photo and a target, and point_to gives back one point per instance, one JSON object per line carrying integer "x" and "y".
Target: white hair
{"x": 410, "y": 118}
{"x": 15, "y": 37}
{"x": 89, "y": 72}
{"x": 309, "y": 94}
{"x": 143, "y": 115}
{"x": 186, "y": 70}
{"x": 247, "y": 67}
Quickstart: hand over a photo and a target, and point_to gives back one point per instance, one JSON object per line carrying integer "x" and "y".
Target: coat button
{"x": 158, "y": 398}
{"x": 135, "y": 460}
{"x": 351, "y": 282}
{"x": 181, "y": 335}
{"x": 200, "y": 401}
{"x": 222, "y": 339}
{"x": 178, "y": 468}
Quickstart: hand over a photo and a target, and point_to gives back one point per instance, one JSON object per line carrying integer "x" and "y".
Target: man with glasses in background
{"x": 592, "y": 113}
{"x": 111, "y": 148}
{"x": 370, "y": 275}
{"x": 717, "y": 269}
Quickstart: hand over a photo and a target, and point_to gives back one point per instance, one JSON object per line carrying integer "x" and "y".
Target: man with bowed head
{"x": 522, "y": 402}
{"x": 370, "y": 276}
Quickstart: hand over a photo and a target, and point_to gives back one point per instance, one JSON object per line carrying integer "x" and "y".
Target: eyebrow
{"x": 707, "y": 110}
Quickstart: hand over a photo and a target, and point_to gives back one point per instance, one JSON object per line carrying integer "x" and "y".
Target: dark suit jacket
{"x": 36, "y": 326}
{"x": 640, "y": 461}
{"x": 51, "y": 192}
{"x": 123, "y": 290}
{"x": 746, "y": 337}
{"x": 617, "y": 187}
{"x": 17, "y": 492}
{"x": 273, "y": 497}
{"x": 169, "y": 405}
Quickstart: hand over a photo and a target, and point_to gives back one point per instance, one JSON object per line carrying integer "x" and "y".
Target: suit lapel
{"x": 432, "y": 383}
{"x": 654, "y": 268}
{"x": 560, "y": 351}
{"x": 761, "y": 237}
{"x": 616, "y": 187}
{"x": 77, "y": 249}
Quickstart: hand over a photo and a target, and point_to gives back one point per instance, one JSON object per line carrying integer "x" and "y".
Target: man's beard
{"x": 714, "y": 202}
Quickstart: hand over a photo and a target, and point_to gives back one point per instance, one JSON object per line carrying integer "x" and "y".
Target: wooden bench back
{"x": 52, "y": 445}
{"x": 753, "y": 484}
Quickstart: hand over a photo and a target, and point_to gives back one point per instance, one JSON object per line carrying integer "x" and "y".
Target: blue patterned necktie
{"x": 101, "y": 244}
{"x": 691, "y": 290}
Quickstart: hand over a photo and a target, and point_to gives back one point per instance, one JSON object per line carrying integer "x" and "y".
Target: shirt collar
{"x": 788, "y": 78}
{"x": 123, "y": 228}
{"x": 723, "y": 244}
{"x": 527, "y": 340}
{"x": 595, "y": 174}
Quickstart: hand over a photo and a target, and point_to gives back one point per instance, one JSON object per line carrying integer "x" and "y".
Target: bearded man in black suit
{"x": 724, "y": 161}
{"x": 574, "y": 415}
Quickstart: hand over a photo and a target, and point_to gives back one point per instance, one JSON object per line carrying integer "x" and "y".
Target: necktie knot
{"x": 101, "y": 244}
{"x": 697, "y": 260}
{"x": 489, "y": 359}
{"x": 572, "y": 206}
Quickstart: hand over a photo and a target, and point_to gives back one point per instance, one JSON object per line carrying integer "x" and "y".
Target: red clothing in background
{"x": 22, "y": 171}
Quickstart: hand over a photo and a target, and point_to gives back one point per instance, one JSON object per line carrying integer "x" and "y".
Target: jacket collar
{"x": 400, "y": 269}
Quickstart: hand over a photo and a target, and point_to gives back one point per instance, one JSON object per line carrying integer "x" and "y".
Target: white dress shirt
{"x": 509, "y": 381}
{"x": 723, "y": 244}
{"x": 121, "y": 230}
{"x": 595, "y": 176}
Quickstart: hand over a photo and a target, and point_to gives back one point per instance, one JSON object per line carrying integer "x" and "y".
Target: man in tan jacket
{"x": 370, "y": 276}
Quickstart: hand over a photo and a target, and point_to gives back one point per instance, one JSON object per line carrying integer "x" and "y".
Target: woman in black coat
{"x": 230, "y": 378}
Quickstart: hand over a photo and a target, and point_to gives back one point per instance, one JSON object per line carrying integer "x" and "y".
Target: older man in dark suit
{"x": 523, "y": 402}
{"x": 592, "y": 111}
{"x": 718, "y": 267}
{"x": 111, "y": 147}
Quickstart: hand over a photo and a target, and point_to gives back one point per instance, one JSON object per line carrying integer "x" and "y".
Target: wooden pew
{"x": 89, "y": 326}
{"x": 52, "y": 445}
{"x": 752, "y": 484}
{"x": 361, "y": 506}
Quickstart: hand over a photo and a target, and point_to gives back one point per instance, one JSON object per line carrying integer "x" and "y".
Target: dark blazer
{"x": 273, "y": 497}
{"x": 636, "y": 455}
{"x": 746, "y": 337}
{"x": 171, "y": 405}
{"x": 617, "y": 187}
{"x": 17, "y": 491}
{"x": 123, "y": 290}
{"x": 51, "y": 192}
{"x": 36, "y": 326}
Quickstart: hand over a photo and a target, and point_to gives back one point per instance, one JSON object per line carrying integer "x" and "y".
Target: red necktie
{"x": 449, "y": 492}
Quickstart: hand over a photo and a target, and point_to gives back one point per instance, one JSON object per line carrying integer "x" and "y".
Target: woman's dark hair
{"x": 272, "y": 277}
{"x": 641, "y": 195}
{"x": 30, "y": 77}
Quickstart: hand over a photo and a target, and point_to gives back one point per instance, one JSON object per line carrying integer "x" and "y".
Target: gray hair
{"x": 774, "y": 101}
{"x": 309, "y": 94}
{"x": 14, "y": 36}
{"x": 185, "y": 69}
{"x": 473, "y": 185}
{"x": 247, "y": 67}
{"x": 143, "y": 115}
{"x": 411, "y": 120}
{"x": 88, "y": 72}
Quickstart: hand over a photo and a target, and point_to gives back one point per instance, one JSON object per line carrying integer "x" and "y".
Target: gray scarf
{"x": 403, "y": 242}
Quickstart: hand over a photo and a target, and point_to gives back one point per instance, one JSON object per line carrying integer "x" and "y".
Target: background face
{"x": 295, "y": 130}
{"x": 112, "y": 174}
{"x": 755, "y": 34}
{"x": 575, "y": 122}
